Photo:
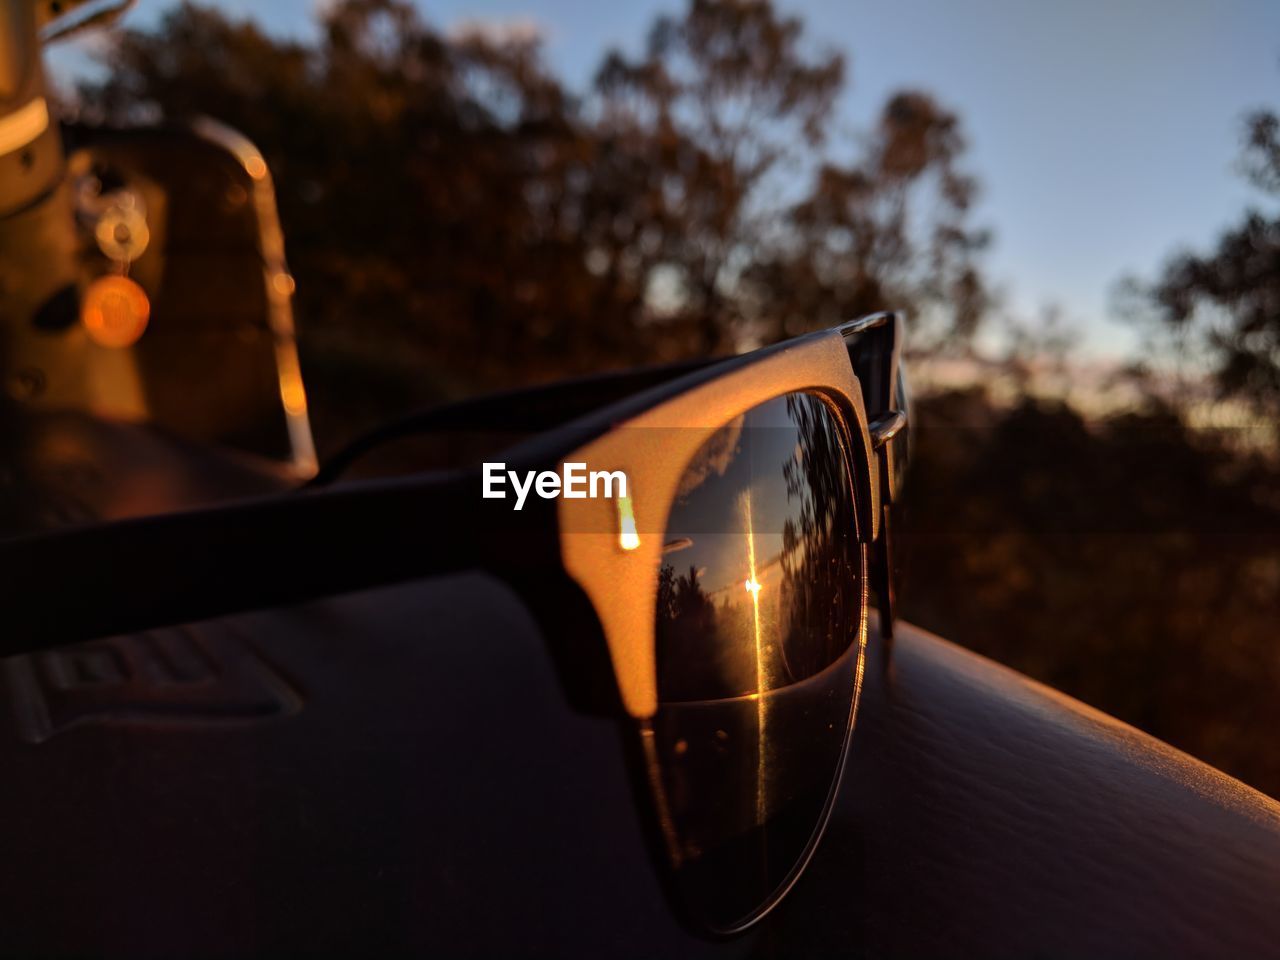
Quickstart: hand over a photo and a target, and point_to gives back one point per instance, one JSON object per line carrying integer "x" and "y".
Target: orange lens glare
{"x": 115, "y": 311}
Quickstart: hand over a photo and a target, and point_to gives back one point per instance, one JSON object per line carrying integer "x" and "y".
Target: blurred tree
{"x": 722, "y": 98}
{"x": 1127, "y": 561}
{"x": 1226, "y": 302}
{"x": 458, "y": 220}
{"x": 887, "y": 231}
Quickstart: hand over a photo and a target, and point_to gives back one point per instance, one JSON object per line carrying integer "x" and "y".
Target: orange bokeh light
{"x": 115, "y": 311}
{"x": 255, "y": 166}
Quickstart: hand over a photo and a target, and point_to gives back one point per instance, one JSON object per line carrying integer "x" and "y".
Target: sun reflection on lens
{"x": 758, "y": 608}
{"x": 762, "y": 673}
{"x": 628, "y": 538}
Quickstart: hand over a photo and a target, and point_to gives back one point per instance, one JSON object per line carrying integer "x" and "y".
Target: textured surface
{"x": 995, "y": 817}
{"x": 397, "y": 772}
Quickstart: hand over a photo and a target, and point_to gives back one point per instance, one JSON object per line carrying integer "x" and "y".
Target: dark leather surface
{"x": 396, "y": 772}
{"x": 993, "y": 817}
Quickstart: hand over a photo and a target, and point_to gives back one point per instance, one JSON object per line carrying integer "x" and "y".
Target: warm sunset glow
{"x": 292, "y": 393}
{"x": 762, "y": 677}
{"x": 628, "y": 538}
{"x": 115, "y": 311}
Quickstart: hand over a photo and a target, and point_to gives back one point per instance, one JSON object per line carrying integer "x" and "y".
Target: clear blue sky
{"x": 1106, "y": 132}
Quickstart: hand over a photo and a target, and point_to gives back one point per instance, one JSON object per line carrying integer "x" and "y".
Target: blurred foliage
{"x": 1149, "y": 550}
{"x": 458, "y": 219}
{"x": 1225, "y": 303}
{"x": 1131, "y": 562}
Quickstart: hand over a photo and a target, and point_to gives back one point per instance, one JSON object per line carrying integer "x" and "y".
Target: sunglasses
{"x": 714, "y": 594}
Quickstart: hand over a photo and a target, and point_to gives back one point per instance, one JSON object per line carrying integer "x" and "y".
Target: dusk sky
{"x": 1106, "y": 134}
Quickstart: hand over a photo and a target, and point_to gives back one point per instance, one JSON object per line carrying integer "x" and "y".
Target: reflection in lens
{"x": 760, "y": 630}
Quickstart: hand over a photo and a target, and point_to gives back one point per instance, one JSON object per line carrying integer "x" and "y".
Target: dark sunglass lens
{"x": 760, "y": 627}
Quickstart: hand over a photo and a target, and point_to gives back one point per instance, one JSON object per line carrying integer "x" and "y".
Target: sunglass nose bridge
{"x": 875, "y": 343}
{"x": 885, "y": 428}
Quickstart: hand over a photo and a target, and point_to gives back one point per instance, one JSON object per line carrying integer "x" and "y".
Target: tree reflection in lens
{"x": 759, "y": 649}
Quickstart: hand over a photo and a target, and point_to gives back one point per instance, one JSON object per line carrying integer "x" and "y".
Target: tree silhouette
{"x": 722, "y": 96}
{"x": 1226, "y": 302}
{"x": 849, "y": 246}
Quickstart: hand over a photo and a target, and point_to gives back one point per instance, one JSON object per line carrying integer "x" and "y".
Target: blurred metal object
{"x": 280, "y": 287}
{"x": 171, "y": 239}
{"x": 23, "y": 125}
{"x": 188, "y": 214}
{"x": 57, "y": 23}
{"x": 30, "y": 148}
{"x": 38, "y": 268}
{"x": 121, "y": 229}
